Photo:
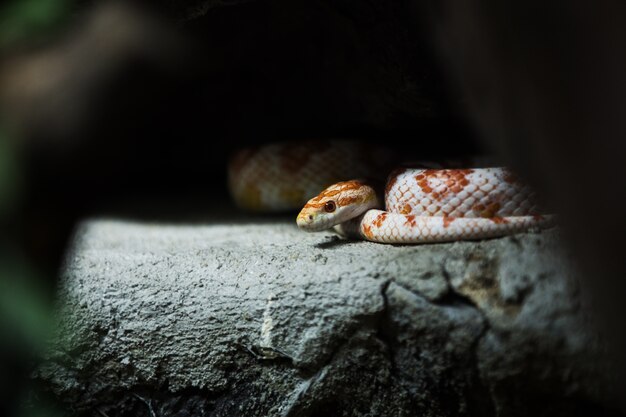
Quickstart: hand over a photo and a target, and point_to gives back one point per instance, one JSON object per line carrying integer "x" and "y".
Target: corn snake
{"x": 422, "y": 204}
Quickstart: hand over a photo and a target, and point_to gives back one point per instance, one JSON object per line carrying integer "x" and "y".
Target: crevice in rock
{"x": 297, "y": 404}
{"x": 484, "y": 400}
{"x": 454, "y": 297}
{"x": 310, "y": 372}
{"x": 480, "y": 401}
{"x": 383, "y": 331}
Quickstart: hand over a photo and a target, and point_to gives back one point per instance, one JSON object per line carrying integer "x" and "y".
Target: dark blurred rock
{"x": 545, "y": 86}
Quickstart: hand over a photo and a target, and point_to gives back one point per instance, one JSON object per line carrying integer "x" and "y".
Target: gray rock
{"x": 261, "y": 319}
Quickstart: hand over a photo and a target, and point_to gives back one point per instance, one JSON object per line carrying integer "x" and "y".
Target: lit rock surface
{"x": 261, "y": 319}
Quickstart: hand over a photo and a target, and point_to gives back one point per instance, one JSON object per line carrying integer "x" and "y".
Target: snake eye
{"x": 330, "y": 206}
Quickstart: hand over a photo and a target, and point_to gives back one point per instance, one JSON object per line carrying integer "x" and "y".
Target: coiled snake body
{"x": 422, "y": 204}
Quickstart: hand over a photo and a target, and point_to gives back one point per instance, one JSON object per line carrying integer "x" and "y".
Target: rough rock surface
{"x": 258, "y": 318}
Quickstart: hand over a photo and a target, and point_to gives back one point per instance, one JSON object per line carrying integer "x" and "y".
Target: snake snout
{"x": 310, "y": 222}
{"x": 305, "y": 220}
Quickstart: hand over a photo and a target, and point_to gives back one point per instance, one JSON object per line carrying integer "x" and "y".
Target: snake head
{"x": 336, "y": 204}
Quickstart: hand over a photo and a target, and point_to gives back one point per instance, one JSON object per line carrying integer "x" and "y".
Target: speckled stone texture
{"x": 259, "y": 319}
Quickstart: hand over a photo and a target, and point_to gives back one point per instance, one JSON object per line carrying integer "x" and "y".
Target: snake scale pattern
{"x": 334, "y": 183}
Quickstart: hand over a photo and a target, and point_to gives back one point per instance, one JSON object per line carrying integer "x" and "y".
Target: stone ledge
{"x": 262, "y": 319}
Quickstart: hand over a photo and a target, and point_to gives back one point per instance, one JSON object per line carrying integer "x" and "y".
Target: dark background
{"x": 146, "y": 127}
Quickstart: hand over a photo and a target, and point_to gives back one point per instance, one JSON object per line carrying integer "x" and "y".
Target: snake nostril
{"x": 310, "y": 217}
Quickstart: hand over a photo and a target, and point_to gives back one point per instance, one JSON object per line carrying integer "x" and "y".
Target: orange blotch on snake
{"x": 499, "y": 220}
{"x": 490, "y": 211}
{"x": 378, "y": 221}
{"x": 314, "y": 204}
{"x": 350, "y": 185}
{"x": 335, "y": 190}
{"x": 406, "y": 209}
{"x": 457, "y": 179}
{"x": 447, "y": 220}
{"x": 510, "y": 178}
{"x": 344, "y": 201}
{"x": 453, "y": 179}
{"x": 330, "y": 193}
{"x": 423, "y": 184}
{"x": 478, "y": 207}
{"x": 410, "y": 221}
